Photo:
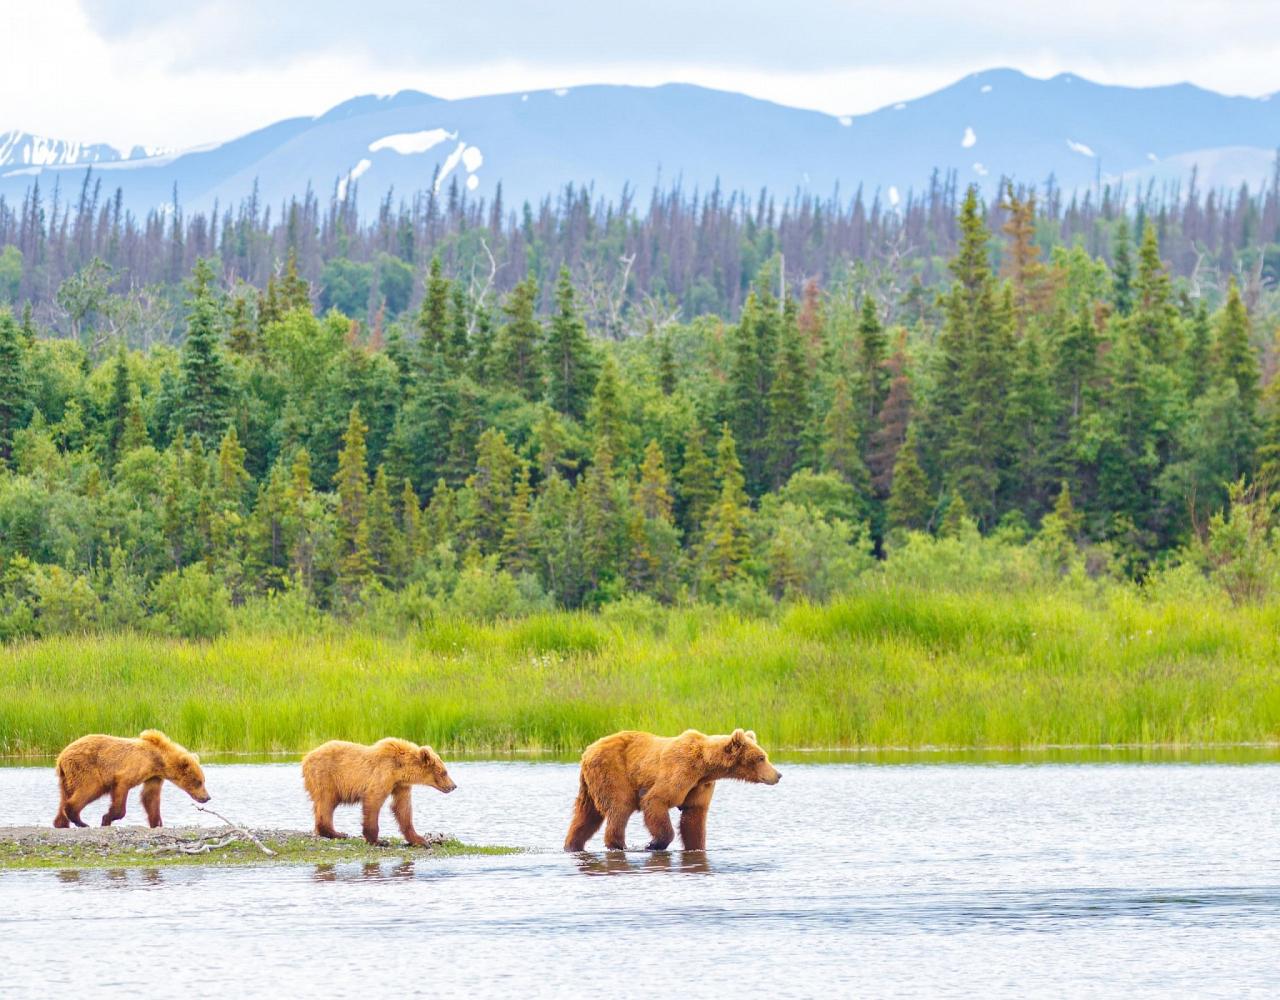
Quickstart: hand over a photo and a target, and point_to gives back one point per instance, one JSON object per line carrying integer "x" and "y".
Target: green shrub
{"x": 190, "y": 603}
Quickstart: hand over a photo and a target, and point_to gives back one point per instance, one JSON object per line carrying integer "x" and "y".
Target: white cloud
{"x": 970, "y": 138}
{"x": 1081, "y": 148}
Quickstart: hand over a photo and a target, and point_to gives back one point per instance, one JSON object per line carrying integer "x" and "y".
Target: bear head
{"x": 181, "y": 766}
{"x": 746, "y": 760}
{"x": 429, "y": 769}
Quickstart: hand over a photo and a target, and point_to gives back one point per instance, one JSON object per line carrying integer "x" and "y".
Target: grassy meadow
{"x": 890, "y": 666}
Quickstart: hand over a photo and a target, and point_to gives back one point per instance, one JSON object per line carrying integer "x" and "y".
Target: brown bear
{"x": 341, "y": 773}
{"x": 94, "y": 765}
{"x": 631, "y": 770}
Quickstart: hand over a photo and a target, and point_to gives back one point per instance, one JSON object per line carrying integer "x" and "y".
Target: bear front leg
{"x": 693, "y": 818}
{"x": 151, "y": 800}
{"x": 71, "y": 806}
{"x": 658, "y": 822}
{"x": 119, "y": 798}
{"x": 372, "y": 806}
{"x": 402, "y": 808}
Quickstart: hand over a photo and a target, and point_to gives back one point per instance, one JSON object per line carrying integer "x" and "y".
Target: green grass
{"x": 885, "y": 668}
{"x": 290, "y": 850}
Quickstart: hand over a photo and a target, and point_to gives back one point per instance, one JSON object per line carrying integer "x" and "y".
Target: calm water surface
{"x": 844, "y": 880}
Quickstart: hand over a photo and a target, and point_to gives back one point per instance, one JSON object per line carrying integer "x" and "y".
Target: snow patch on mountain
{"x": 409, "y": 143}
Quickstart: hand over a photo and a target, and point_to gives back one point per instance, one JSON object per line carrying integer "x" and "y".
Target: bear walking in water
{"x": 95, "y": 765}
{"x": 632, "y": 770}
{"x": 341, "y": 773}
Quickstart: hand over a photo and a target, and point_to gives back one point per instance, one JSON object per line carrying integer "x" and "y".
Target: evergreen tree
{"x": 789, "y": 407}
{"x": 1155, "y": 317}
{"x": 697, "y": 489}
{"x": 354, "y": 560}
{"x": 872, "y": 344}
{"x": 910, "y": 504}
{"x": 841, "y": 452}
{"x": 294, "y": 290}
{"x": 607, "y": 418}
{"x": 571, "y": 365}
{"x": 433, "y": 318}
{"x": 459, "y": 349}
{"x": 1235, "y": 357}
{"x": 490, "y": 490}
{"x": 754, "y": 343}
{"x": 1122, "y": 269}
{"x": 119, "y": 404}
{"x": 667, "y": 378}
{"x": 411, "y": 528}
{"x": 1196, "y": 368}
{"x": 517, "y": 364}
{"x": 653, "y": 492}
{"x": 384, "y": 538}
{"x": 957, "y": 520}
{"x": 724, "y": 547}
{"x": 518, "y": 543}
{"x": 204, "y": 387}
{"x": 15, "y": 390}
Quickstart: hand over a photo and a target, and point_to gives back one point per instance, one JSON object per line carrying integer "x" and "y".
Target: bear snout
{"x": 449, "y": 787}
{"x": 774, "y": 778}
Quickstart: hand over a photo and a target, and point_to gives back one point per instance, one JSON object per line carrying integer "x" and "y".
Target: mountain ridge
{"x": 993, "y": 123}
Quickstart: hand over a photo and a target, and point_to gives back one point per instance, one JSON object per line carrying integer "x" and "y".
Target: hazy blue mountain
{"x": 988, "y": 124}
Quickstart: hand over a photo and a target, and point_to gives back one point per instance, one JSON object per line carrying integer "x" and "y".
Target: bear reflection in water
{"x": 619, "y": 863}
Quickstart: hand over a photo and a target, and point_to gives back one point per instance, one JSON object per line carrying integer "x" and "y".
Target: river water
{"x": 843, "y": 880}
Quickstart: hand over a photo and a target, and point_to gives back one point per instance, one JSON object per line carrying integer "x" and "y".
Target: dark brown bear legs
{"x": 402, "y": 809}
{"x": 658, "y": 822}
{"x": 119, "y": 798}
{"x": 151, "y": 800}
{"x": 324, "y": 819}
{"x": 693, "y": 818}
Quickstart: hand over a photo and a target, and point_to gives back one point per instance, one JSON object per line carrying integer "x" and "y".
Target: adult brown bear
{"x": 94, "y": 765}
{"x": 341, "y": 773}
{"x": 632, "y": 770}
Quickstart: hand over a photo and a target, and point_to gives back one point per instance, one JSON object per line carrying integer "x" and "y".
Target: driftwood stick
{"x": 239, "y": 829}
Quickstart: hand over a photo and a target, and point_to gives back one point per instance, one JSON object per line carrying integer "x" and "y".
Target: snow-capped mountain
{"x": 999, "y": 122}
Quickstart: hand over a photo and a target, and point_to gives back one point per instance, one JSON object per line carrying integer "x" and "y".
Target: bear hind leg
{"x": 615, "y": 828}
{"x": 323, "y": 806}
{"x": 119, "y": 803}
{"x": 586, "y": 820}
{"x": 372, "y": 807}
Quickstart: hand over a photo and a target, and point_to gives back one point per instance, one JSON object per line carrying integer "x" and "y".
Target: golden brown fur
{"x": 96, "y": 765}
{"x": 341, "y": 773}
{"x": 632, "y": 770}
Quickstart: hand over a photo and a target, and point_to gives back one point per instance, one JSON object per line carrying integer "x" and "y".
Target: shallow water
{"x": 975, "y": 880}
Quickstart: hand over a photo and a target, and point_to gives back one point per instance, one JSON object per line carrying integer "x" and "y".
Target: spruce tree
{"x": 1235, "y": 356}
{"x": 118, "y": 406}
{"x": 871, "y": 355}
{"x": 653, "y": 492}
{"x": 433, "y": 317}
{"x": 384, "y": 537}
{"x": 1122, "y": 269}
{"x": 696, "y": 488}
{"x": 1196, "y": 367}
{"x": 910, "y": 504}
{"x": 15, "y": 390}
{"x": 517, "y": 365}
{"x": 1154, "y": 317}
{"x": 518, "y": 543}
{"x": 204, "y": 385}
{"x": 607, "y": 418}
{"x": 754, "y": 342}
{"x": 667, "y": 378}
{"x": 571, "y": 365}
{"x": 724, "y": 546}
{"x": 354, "y": 560}
{"x": 790, "y": 409}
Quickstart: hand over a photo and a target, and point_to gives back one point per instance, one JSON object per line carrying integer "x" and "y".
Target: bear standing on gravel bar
{"x": 341, "y": 773}
{"x": 94, "y": 765}
{"x": 631, "y": 770}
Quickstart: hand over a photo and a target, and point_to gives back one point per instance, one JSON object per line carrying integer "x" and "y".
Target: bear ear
{"x": 426, "y": 753}
{"x": 751, "y": 735}
{"x": 737, "y": 739}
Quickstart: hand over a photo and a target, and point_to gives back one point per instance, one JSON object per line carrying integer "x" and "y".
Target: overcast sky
{"x": 178, "y": 72}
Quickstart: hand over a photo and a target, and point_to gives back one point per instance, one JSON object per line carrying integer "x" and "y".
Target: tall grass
{"x": 891, "y": 666}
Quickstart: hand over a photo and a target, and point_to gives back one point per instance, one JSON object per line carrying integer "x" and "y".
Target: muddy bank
{"x": 141, "y": 847}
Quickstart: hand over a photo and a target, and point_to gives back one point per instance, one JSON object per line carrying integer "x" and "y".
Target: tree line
{"x": 509, "y": 457}
{"x": 91, "y": 269}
